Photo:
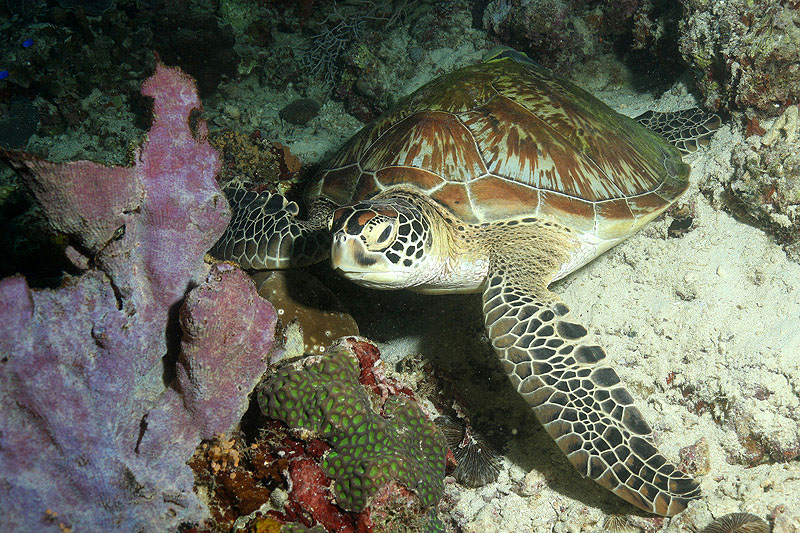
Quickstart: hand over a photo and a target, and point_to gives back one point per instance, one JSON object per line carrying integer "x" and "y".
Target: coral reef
{"x": 745, "y": 51}
{"x": 343, "y": 54}
{"x": 81, "y": 65}
{"x": 350, "y": 425}
{"x": 111, "y": 380}
{"x": 695, "y": 458}
{"x": 73, "y": 57}
{"x": 20, "y": 121}
{"x": 90, "y": 7}
{"x": 766, "y": 179}
{"x": 337, "y": 33}
{"x": 341, "y": 29}
{"x": 182, "y": 34}
{"x": 544, "y": 30}
{"x": 237, "y": 479}
{"x": 561, "y": 34}
{"x": 616, "y": 523}
{"x": 86, "y": 59}
{"x": 255, "y": 162}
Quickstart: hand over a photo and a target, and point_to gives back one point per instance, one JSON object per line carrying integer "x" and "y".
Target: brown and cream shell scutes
{"x": 502, "y": 139}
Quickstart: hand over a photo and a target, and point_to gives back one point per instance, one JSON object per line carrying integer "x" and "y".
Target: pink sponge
{"x": 109, "y": 382}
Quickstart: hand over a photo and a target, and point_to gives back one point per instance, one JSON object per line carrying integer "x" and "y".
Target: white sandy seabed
{"x": 703, "y": 329}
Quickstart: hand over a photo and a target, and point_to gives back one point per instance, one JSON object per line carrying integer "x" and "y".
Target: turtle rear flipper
{"x": 265, "y": 233}
{"x": 685, "y": 130}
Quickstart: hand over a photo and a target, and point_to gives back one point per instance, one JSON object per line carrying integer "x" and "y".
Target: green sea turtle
{"x": 499, "y": 178}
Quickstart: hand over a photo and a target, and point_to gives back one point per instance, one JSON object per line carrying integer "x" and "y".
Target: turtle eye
{"x": 385, "y": 234}
{"x": 380, "y": 235}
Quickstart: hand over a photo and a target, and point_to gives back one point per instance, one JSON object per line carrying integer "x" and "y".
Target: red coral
{"x": 288, "y": 163}
{"x": 373, "y": 374}
{"x": 310, "y": 491}
{"x": 754, "y": 128}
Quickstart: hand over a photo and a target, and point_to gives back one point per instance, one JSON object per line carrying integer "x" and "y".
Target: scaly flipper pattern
{"x": 555, "y": 367}
{"x": 685, "y": 130}
{"x": 265, "y": 232}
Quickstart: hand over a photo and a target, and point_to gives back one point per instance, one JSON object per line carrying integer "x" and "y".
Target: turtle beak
{"x": 348, "y": 253}
{"x": 351, "y": 259}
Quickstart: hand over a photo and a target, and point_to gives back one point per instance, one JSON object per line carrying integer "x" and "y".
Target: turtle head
{"x": 382, "y": 243}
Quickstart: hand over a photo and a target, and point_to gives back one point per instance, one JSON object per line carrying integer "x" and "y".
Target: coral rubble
{"x": 544, "y": 30}
{"x": 111, "y": 380}
{"x": 254, "y": 163}
{"x": 766, "y": 179}
{"x": 564, "y": 34}
{"x": 745, "y": 51}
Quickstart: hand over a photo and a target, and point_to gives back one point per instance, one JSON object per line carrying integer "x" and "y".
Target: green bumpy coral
{"x": 322, "y": 395}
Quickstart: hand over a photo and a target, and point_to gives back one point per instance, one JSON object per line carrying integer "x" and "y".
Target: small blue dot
{"x": 27, "y": 43}
{"x": 3, "y": 74}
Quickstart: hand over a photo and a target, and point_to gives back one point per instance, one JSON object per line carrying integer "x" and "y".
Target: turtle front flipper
{"x": 580, "y": 402}
{"x": 265, "y": 232}
{"x": 685, "y": 130}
